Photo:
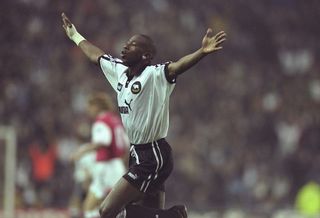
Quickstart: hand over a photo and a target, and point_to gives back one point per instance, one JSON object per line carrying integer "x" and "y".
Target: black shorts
{"x": 149, "y": 166}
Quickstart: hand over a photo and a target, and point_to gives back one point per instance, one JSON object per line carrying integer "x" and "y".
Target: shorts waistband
{"x": 147, "y": 145}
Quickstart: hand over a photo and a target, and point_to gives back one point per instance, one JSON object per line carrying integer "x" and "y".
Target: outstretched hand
{"x": 213, "y": 43}
{"x": 68, "y": 26}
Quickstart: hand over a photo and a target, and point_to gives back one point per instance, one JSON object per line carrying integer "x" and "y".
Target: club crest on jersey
{"x": 119, "y": 87}
{"x": 136, "y": 87}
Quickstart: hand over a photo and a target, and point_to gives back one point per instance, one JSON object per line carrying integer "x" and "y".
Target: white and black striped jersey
{"x": 143, "y": 101}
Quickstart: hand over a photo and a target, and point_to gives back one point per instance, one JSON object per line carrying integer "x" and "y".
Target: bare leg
{"x": 122, "y": 194}
{"x": 91, "y": 202}
{"x": 91, "y": 206}
{"x": 156, "y": 200}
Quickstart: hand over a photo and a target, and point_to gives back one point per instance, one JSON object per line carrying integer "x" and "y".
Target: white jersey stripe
{"x": 145, "y": 189}
{"x": 141, "y": 188}
{"x": 161, "y": 159}
{"x": 157, "y": 158}
{"x": 136, "y": 155}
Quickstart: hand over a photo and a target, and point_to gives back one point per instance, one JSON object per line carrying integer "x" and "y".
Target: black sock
{"x": 138, "y": 211}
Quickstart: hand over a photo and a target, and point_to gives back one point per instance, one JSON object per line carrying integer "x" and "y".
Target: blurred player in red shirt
{"x": 102, "y": 158}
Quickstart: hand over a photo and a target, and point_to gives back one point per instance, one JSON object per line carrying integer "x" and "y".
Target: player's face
{"x": 133, "y": 51}
{"x": 92, "y": 110}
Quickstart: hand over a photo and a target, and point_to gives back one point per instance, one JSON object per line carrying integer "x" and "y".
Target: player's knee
{"x": 102, "y": 211}
{"x": 106, "y": 212}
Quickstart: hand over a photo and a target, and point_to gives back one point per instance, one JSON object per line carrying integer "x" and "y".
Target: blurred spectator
{"x": 308, "y": 200}
{"x": 43, "y": 157}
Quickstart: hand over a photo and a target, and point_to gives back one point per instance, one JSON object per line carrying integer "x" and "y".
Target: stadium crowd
{"x": 245, "y": 124}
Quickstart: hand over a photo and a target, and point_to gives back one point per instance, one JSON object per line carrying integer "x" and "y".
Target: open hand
{"x": 68, "y": 26}
{"x": 213, "y": 43}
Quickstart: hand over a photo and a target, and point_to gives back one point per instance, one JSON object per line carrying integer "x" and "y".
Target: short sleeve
{"x": 111, "y": 68}
{"x": 170, "y": 79}
{"x": 163, "y": 80}
{"x": 101, "y": 134}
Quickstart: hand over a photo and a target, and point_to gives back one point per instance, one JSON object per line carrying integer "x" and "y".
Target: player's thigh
{"x": 154, "y": 200}
{"x": 122, "y": 194}
{"x": 91, "y": 202}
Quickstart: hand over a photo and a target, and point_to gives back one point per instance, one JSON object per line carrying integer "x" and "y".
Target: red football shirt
{"x": 107, "y": 130}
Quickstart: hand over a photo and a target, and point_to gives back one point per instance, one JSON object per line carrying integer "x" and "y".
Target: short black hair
{"x": 149, "y": 44}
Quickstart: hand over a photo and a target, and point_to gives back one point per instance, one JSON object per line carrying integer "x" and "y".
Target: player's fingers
{"x": 68, "y": 24}
{"x": 220, "y": 38}
{"x": 64, "y": 16}
{"x": 65, "y": 26}
{"x": 65, "y": 29}
{"x": 218, "y": 48}
{"x": 221, "y": 41}
{"x": 209, "y": 31}
{"x": 66, "y": 20}
{"x": 221, "y": 34}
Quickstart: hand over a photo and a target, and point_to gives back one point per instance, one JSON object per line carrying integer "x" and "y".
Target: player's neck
{"x": 136, "y": 70}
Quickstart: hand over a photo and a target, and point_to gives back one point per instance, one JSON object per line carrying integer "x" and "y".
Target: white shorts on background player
{"x": 105, "y": 176}
{"x": 84, "y": 166}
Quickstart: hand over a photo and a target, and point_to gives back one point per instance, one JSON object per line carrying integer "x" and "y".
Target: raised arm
{"x": 210, "y": 44}
{"x": 90, "y": 50}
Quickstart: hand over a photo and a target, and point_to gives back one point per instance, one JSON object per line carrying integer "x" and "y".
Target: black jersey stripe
{"x": 169, "y": 78}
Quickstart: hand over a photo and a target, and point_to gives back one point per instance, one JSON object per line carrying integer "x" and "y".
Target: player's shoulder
{"x": 156, "y": 69}
{"x": 161, "y": 71}
{"x": 159, "y": 66}
{"x": 110, "y": 58}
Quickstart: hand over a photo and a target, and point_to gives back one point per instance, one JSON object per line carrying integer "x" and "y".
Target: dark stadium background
{"x": 245, "y": 123}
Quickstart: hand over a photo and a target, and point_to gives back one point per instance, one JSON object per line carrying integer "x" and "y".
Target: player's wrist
{"x": 74, "y": 35}
{"x": 77, "y": 38}
{"x": 202, "y": 51}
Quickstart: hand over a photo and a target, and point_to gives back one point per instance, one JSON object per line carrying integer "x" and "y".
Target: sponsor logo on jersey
{"x": 128, "y": 104}
{"x": 125, "y": 109}
{"x": 136, "y": 87}
{"x": 119, "y": 87}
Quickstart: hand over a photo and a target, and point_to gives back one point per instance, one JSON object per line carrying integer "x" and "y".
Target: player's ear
{"x": 147, "y": 56}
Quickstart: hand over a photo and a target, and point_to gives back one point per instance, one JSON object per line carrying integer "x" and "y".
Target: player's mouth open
{"x": 123, "y": 55}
